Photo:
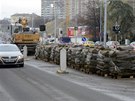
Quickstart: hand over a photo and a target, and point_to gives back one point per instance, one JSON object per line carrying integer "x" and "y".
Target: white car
{"x": 132, "y": 44}
{"x": 112, "y": 44}
{"x": 10, "y": 54}
{"x": 99, "y": 43}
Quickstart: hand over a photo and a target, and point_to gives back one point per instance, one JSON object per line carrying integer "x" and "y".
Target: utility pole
{"x": 67, "y": 15}
{"x": 76, "y": 25}
{"x": 32, "y": 20}
{"x": 55, "y": 25}
{"x": 55, "y": 21}
{"x": 105, "y": 21}
{"x": 100, "y": 20}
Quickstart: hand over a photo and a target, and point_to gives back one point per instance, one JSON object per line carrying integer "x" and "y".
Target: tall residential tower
{"x": 62, "y": 8}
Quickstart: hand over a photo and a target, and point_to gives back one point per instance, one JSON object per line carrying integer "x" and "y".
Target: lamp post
{"x": 54, "y": 11}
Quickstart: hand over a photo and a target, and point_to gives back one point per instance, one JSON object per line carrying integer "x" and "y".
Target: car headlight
{"x": 20, "y": 57}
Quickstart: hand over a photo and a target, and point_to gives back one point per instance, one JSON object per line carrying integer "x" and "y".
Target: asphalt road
{"x": 32, "y": 84}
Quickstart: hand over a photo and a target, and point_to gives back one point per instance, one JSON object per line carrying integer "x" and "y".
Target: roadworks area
{"x": 115, "y": 63}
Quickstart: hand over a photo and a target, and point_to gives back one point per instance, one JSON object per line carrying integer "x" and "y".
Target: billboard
{"x": 80, "y": 31}
{"x": 70, "y": 32}
{"x": 83, "y": 31}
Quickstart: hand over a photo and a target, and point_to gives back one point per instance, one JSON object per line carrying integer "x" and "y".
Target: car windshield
{"x": 8, "y": 48}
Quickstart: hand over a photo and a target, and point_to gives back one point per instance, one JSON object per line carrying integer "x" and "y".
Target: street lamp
{"x": 54, "y": 9}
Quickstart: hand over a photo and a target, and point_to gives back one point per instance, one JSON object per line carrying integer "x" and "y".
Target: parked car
{"x": 132, "y": 44}
{"x": 99, "y": 43}
{"x": 112, "y": 44}
{"x": 89, "y": 43}
{"x": 10, "y": 54}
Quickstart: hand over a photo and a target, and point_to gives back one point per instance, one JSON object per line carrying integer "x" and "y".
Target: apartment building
{"x": 51, "y": 7}
{"x": 62, "y": 8}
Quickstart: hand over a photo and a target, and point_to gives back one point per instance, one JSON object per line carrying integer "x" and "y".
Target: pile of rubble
{"x": 106, "y": 62}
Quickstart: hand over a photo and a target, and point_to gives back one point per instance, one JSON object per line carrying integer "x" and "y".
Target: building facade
{"x": 62, "y": 8}
{"x": 15, "y": 17}
{"x": 51, "y": 7}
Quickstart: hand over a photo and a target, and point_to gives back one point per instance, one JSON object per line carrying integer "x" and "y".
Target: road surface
{"x": 38, "y": 81}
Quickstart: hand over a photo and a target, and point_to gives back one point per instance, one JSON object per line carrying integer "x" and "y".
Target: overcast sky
{"x": 10, "y": 7}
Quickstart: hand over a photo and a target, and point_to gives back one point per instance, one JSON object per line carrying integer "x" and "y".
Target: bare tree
{"x": 92, "y": 17}
{"x": 4, "y": 25}
{"x": 36, "y": 21}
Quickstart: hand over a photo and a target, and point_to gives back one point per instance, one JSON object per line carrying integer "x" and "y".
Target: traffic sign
{"x": 84, "y": 39}
{"x": 75, "y": 28}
